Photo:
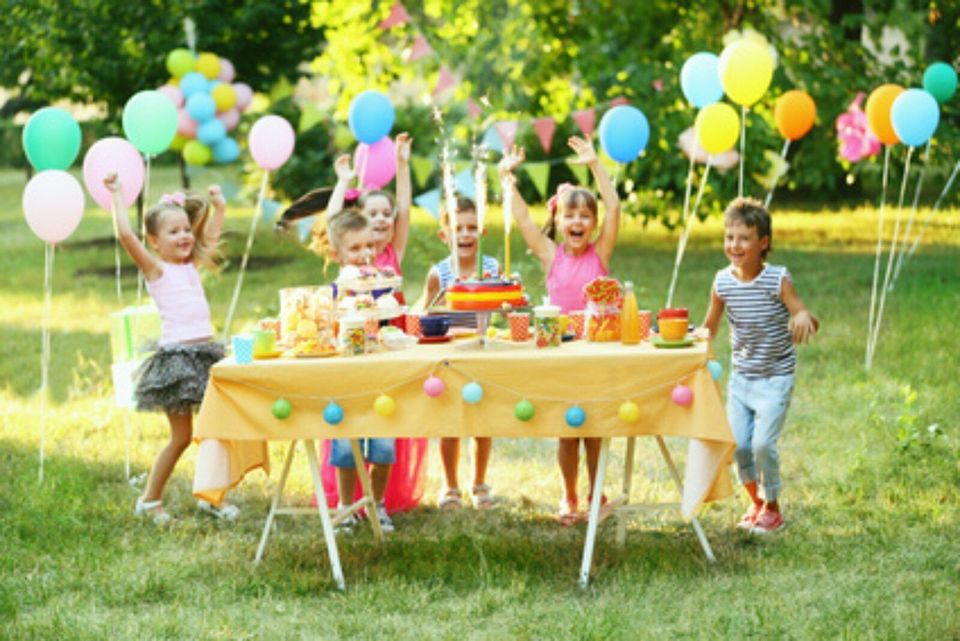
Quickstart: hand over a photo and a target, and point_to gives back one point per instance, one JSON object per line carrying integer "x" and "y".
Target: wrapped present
{"x": 134, "y": 331}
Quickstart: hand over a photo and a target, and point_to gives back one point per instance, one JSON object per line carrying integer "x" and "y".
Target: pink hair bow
{"x": 554, "y": 201}
{"x": 352, "y": 194}
{"x": 176, "y": 198}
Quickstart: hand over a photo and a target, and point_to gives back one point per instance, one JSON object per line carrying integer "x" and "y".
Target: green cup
{"x": 263, "y": 343}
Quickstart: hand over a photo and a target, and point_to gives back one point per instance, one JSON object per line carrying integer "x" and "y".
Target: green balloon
{"x": 180, "y": 62}
{"x": 196, "y": 153}
{"x": 51, "y": 139}
{"x": 150, "y": 121}
{"x": 281, "y": 408}
{"x": 523, "y": 410}
{"x": 940, "y": 79}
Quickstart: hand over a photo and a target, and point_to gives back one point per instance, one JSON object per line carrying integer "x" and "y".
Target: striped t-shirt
{"x": 759, "y": 322}
{"x": 445, "y": 272}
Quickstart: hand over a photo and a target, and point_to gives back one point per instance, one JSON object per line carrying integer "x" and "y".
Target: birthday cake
{"x": 367, "y": 279}
{"x": 485, "y": 295}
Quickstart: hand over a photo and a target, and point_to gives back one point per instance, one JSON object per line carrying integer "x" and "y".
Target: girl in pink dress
{"x": 569, "y": 266}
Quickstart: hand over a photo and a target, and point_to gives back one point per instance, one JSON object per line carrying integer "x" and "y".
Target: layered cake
{"x": 485, "y": 295}
{"x": 367, "y": 279}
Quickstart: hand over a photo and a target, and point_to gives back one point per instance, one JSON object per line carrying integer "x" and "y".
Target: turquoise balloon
{"x": 940, "y": 79}
{"x": 472, "y": 393}
{"x": 716, "y": 369}
{"x": 51, "y": 139}
{"x": 150, "y": 121}
{"x": 915, "y": 116}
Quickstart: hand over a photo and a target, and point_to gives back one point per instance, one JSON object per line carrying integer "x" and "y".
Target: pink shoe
{"x": 749, "y": 519}
{"x": 768, "y": 522}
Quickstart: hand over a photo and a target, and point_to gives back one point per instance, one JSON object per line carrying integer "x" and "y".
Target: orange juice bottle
{"x": 629, "y": 317}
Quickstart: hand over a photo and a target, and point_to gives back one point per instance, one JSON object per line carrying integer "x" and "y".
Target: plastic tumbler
{"x": 242, "y": 348}
{"x": 576, "y": 322}
{"x": 645, "y": 317}
{"x": 519, "y": 326}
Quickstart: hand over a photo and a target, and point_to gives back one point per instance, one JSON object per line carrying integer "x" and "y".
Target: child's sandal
{"x": 482, "y": 496}
{"x": 568, "y": 514}
{"x": 152, "y": 509}
{"x": 225, "y": 511}
{"x": 451, "y": 499}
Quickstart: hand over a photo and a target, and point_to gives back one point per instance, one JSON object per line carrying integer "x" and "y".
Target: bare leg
{"x": 568, "y": 457}
{"x": 481, "y": 458}
{"x": 753, "y": 492}
{"x": 346, "y": 484}
{"x": 450, "y": 453}
{"x": 592, "y": 445}
{"x": 379, "y": 476}
{"x": 181, "y": 432}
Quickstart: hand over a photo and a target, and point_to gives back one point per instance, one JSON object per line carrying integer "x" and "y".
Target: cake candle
{"x": 480, "y": 185}
{"x": 451, "y": 199}
{"x": 506, "y": 185}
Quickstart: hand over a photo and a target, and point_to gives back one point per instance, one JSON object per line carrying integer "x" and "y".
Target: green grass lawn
{"x": 870, "y": 464}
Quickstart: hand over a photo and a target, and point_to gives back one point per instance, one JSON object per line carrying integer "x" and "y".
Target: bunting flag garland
{"x": 420, "y": 49}
{"x": 492, "y": 141}
{"x": 620, "y": 100}
{"x": 398, "y": 16}
{"x": 303, "y": 228}
{"x": 545, "y": 127}
{"x": 422, "y": 168}
{"x": 269, "y": 209}
{"x": 586, "y": 120}
{"x": 445, "y": 80}
{"x": 473, "y": 109}
{"x": 465, "y": 184}
{"x": 310, "y": 116}
{"x": 508, "y": 132}
{"x": 539, "y": 173}
{"x": 430, "y": 200}
{"x": 581, "y": 172}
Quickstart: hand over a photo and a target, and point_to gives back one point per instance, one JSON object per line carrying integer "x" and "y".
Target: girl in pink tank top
{"x": 569, "y": 266}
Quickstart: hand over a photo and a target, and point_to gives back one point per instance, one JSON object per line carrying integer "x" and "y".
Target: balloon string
{"x": 868, "y": 359}
{"x": 246, "y": 256}
{"x": 45, "y": 350}
{"x": 143, "y": 223}
{"x": 936, "y": 206}
{"x": 892, "y": 254}
{"x": 913, "y": 212}
{"x": 743, "y": 146}
{"x": 116, "y": 254}
{"x": 783, "y": 156}
{"x": 682, "y": 244}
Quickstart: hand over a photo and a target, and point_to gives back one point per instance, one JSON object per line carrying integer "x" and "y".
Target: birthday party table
{"x": 597, "y": 378}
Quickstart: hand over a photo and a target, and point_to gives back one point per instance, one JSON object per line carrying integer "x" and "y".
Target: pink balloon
{"x": 271, "y": 141}
{"x": 244, "y": 94}
{"x": 682, "y": 395}
{"x": 227, "y": 72}
{"x": 230, "y": 119}
{"x": 186, "y": 126}
{"x": 377, "y": 162}
{"x": 53, "y": 205}
{"x": 113, "y": 156}
{"x": 173, "y": 93}
{"x": 433, "y": 386}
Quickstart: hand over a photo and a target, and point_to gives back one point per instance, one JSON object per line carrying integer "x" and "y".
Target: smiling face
{"x": 379, "y": 210}
{"x": 173, "y": 237}
{"x": 744, "y": 247}
{"x": 576, "y": 222}
{"x": 468, "y": 230}
{"x": 355, "y": 247}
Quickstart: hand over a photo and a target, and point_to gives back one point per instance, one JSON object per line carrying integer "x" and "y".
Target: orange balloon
{"x": 794, "y": 114}
{"x": 879, "y": 105}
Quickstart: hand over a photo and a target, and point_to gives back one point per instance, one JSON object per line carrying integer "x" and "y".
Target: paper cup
{"x": 519, "y": 326}
{"x": 646, "y": 316}
{"x": 242, "y": 348}
{"x": 576, "y": 322}
{"x": 413, "y": 325}
{"x": 263, "y": 343}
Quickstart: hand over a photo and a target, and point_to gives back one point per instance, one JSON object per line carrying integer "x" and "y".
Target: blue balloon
{"x": 211, "y": 132}
{"x": 915, "y": 116}
{"x": 194, "y": 82}
{"x": 371, "y": 116}
{"x": 700, "y": 79}
{"x": 226, "y": 150}
{"x": 472, "y": 392}
{"x": 201, "y": 107}
{"x": 576, "y": 416}
{"x": 333, "y": 413}
{"x": 624, "y": 133}
{"x": 716, "y": 369}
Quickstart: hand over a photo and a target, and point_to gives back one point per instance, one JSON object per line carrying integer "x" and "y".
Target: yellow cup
{"x": 564, "y": 322}
{"x": 263, "y": 343}
{"x": 673, "y": 329}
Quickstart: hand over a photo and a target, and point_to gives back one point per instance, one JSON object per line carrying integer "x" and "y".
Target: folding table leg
{"x": 594, "y": 514}
{"x": 627, "y": 483}
{"x": 367, "y": 486}
{"x": 276, "y": 502}
{"x": 311, "y": 449}
{"x": 701, "y": 536}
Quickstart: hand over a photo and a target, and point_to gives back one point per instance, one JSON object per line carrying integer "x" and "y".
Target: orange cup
{"x": 413, "y": 325}
{"x": 519, "y": 326}
{"x": 577, "y": 320}
{"x": 645, "y": 317}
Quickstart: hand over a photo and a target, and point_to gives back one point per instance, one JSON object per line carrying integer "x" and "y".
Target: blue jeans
{"x": 756, "y": 408}
{"x": 375, "y": 450}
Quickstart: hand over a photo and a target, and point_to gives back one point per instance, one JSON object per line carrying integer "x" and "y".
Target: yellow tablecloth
{"x": 596, "y": 376}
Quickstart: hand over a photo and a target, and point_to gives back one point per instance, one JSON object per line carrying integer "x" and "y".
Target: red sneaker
{"x": 768, "y": 522}
{"x": 749, "y": 518}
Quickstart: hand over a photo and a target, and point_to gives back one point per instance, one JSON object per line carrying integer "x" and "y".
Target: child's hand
{"x": 512, "y": 159}
{"x": 343, "y": 168}
{"x": 702, "y": 332}
{"x": 803, "y": 326}
{"x": 402, "y": 146}
{"x": 215, "y": 194}
{"x": 586, "y": 154}
{"x": 112, "y": 183}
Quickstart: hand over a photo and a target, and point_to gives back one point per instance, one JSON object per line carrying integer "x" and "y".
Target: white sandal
{"x": 450, "y": 499}
{"x": 152, "y": 509}
{"x": 226, "y": 511}
{"x": 482, "y": 496}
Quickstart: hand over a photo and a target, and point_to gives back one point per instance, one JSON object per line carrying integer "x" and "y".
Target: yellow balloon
{"x": 178, "y": 143}
{"x": 224, "y": 97}
{"x": 746, "y": 72}
{"x": 208, "y": 64}
{"x": 384, "y": 405}
{"x": 629, "y": 412}
{"x": 718, "y": 127}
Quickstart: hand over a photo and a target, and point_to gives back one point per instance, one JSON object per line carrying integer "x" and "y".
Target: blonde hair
{"x": 571, "y": 197}
{"x": 327, "y": 232}
{"x": 197, "y": 209}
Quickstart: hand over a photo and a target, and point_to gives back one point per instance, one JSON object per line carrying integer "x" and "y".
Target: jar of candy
{"x": 546, "y": 319}
{"x": 353, "y": 335}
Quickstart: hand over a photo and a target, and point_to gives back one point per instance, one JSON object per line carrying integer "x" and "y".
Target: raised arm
{"x": 401, "y": 230}
{"x": 803, "y": 324}
{"x": 214, "y": 226}
{"x": 344, "y": 176}
{"x": 607, "y": 238}
{"x": 711, "y": 323}
{"x": 149, "y": 265}
{"x": 541, "y": 246}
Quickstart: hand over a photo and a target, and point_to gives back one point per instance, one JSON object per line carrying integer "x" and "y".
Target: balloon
{"x": 700, "y": 79}
{"x": 244, "y": 94}
{"x": 186, "y": 126}
{"x": 211, "y": 132}
{"x": 794, "y": 114}
{"x": 180, "y": 62}
{"x": 576, "y": 416}
{"x": 194, "y": 82}
{"x": 371, "y": 116}
{"x": 682, "y": 395}
{"x": 150, "y": 121}
{"x": 230, "y": 119}
{"x": 433, "y": 386}
{"x": 113, "y": 155}
{"x": 51, "y": 139}
{"x": 173, "y": 93}
{"x": 746, "y": 71}
{"x": 940, "y": 79}
{"x": 224, "y": 97}
{"x": 201, "y": 107}
{"x": 523, "y": 410}
{"x": 227, "y": 72}
{"x": 209, "y": 65}
{"x": 271, "y": 141}
{"x": 53, "y": 204}
{"x": 178, "y": 142}
{"x": 629, "y": 412}
{"x": 915, "y": 116}
{"x": 226, "y": 150}
{"x": 718, "y": 127}
{"x": 378, "y": 163}
{"x": 716, "y": 369}
{"x": 384, "y": 405}
{"x": 333, "y": 413}
{"x": 879, "y": 104}
{"x": 624, "y": 132}
{"x": 472, "y": 392}
{"x": 281, "y": 408}
{"x": 196, "y": 153}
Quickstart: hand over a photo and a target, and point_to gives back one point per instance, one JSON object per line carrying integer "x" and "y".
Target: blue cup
{"x": 242, "y": 348}
{"x": 434, "y": 325}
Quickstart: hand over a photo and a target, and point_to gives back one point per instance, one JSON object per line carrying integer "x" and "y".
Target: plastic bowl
{"x": 434, "y": 325}
{"x": 673, "y": 329}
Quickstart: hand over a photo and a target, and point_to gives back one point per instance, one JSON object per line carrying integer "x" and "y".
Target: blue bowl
{"x": 434, "y": 325}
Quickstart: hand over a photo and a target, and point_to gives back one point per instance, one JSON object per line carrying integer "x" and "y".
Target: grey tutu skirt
{"x": 175, "y": 377}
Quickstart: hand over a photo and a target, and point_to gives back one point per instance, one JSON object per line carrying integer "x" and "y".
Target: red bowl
{"x": 673, "y": 312}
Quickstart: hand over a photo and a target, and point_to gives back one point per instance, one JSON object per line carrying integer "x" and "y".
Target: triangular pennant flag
{"x": 269, "y": 209}
{"x": 304, "y": 225}
{"x": 398, "y": 15}
{"x": 539, "y": 173}
{"x": 491, "y": 140}
{"x": 230, "y": 190}
{"x": 585, "y": 119}
{"x": 459, "y": 166}
{"x": 445, "y": 80}
{"x": 310, "y": 115}
{"x": 493, "y": 179}
{"x": 422, "y": 168}
{"x": 508, "y": 132}
{"x": 430, "y": 200}
{"x": 581, "y": 172}
{"x": 473, "y": 109}
{"x": 420, "y": 49}
{"x": 619, "y": 100}
{"x": 545, "y": 128}
{"x": 465, "y": 185}
{"x": 283, "y": 89}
